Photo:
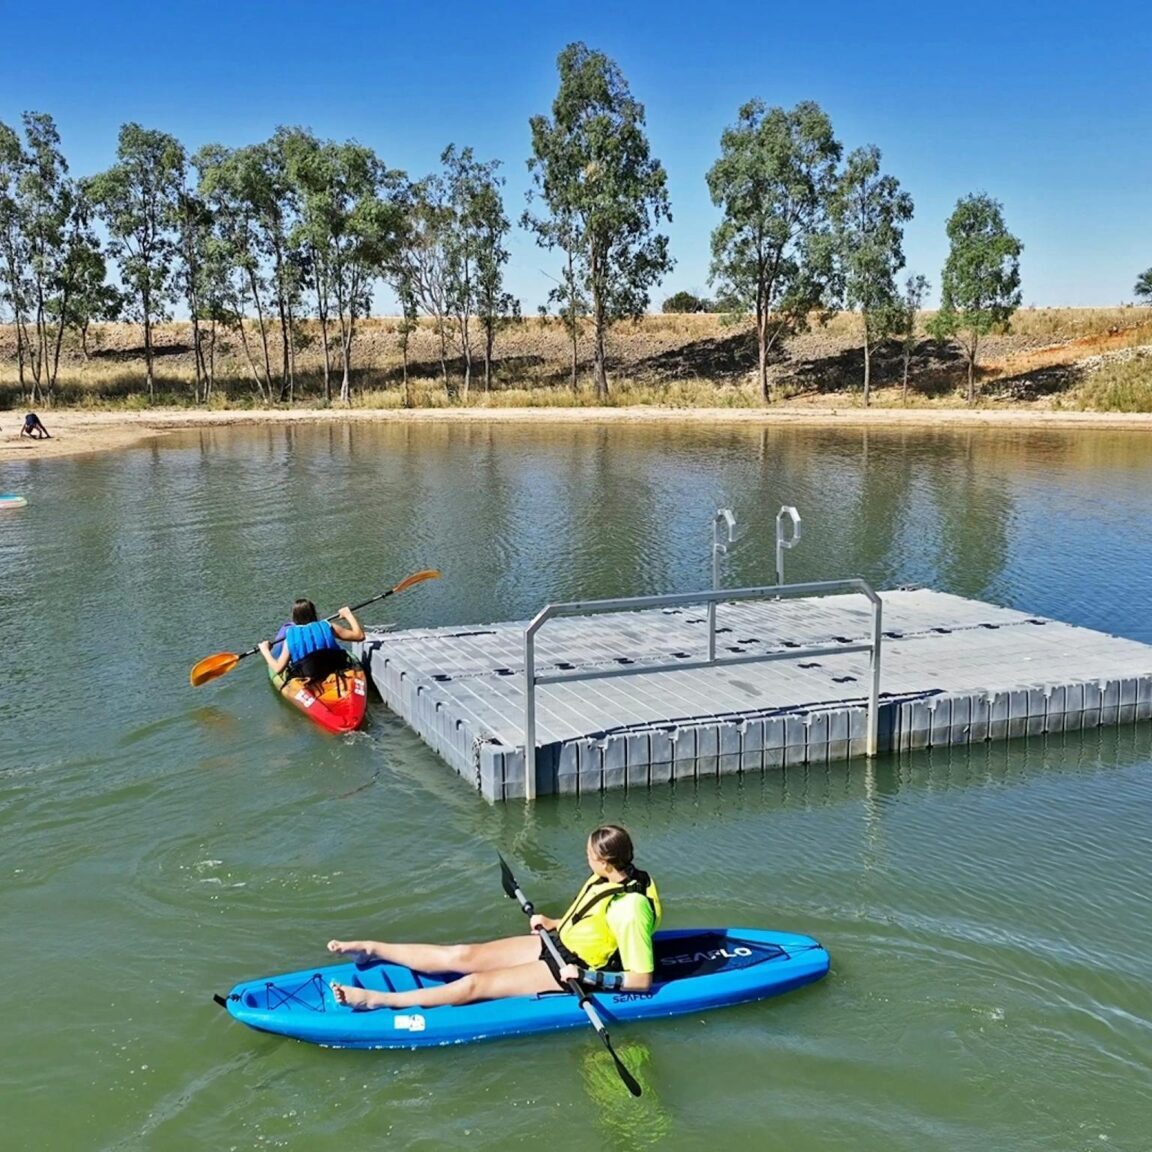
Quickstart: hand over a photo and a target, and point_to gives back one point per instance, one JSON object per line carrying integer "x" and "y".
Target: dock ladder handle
{"x": 786, "y": 510}
{"x": 719, "y": 548}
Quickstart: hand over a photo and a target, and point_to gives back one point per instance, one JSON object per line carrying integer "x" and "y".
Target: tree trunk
{"x": 263, "y": 330}
{"x": 197, "y": 352}
{"x": 210, "y": 362}
{"x": 466, "y": 346}
{"x": 972, "y": 369}
{"x": 146, "y": 300}
{"x": 762, "y": 353}
{"x": 248, "y": 357}
{"x": 867, "y": 366}
{"x": 489, "y": 336}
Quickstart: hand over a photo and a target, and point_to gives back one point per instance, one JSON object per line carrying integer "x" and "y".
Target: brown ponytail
{"x": 612, "y": 844}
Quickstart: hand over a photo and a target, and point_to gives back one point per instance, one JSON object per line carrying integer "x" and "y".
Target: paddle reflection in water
{"x": 627, "y": 1121}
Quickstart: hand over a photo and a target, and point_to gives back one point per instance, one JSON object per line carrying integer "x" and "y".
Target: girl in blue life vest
{"x": 310, "y": 646}
{"x": 605, "y": 938}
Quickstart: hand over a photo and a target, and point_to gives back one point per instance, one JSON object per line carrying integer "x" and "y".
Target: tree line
{"x": 253, "y": 240}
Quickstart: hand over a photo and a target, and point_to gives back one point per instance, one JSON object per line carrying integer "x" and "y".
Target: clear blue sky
{"x": 1046, "y": 107}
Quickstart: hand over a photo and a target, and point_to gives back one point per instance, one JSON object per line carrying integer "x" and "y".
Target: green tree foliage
{"x": 686, "y": 302}
{"x": 1143, "y": 288}
{"x": 980, "y": 285}
{"x": 137, "y": 199}
{"x": 47, "y": 247}
{"x": 603, "y": 193}
{"x": 868, "y": 212}
{"x": 908, "y": 308}
{"x": 772, "y": 253}
{"x": 89, "y": 297}
{"x": 422, "y": 269}
{"x": 475, "y": 252}
{"x": 479, "y": 252}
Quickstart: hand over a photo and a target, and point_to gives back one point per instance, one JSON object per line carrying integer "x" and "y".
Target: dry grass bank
{"x": 1050, "y": 358}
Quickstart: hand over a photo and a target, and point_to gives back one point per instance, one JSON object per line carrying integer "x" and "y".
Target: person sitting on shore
{"x": 311, "y": 647}
{"x": 605, "y": 940}
{"x": 34, "y": 427}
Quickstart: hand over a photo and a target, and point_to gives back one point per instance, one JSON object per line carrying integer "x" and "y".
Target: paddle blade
{"x": 506, "y": 878}
{"x": 212, "y": 667}
{"x": 417, "y": 578}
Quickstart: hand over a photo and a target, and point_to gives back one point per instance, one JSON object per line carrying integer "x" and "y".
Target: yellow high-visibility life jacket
{"x": 584, "y": 928}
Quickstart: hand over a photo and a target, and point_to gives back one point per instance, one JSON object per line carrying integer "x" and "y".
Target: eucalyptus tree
{"x": 367, "y": 229}
{"x": 1143, "y": 288}
{"x": 13, "y": 243}
{"x": 771, "y": 253}
{"x": 236, "y": 231}
{"x": 868, "y": 211}
{"x": 603, "y": 193}
{"x": 137, "y": 199}
{"x": 910, "y": 304}
{"x": 309, "y": 165}
{"x": 47, "y": 201}
{"x": 422, "y": 266}
{"x": 495, "y": 307}
{"x": 476, "y": 230}
{"x": 980, "y": 285}
{"x": 464, "y": 177}
{"x": 91, "y": 298}
{"x": 193, "y": 220}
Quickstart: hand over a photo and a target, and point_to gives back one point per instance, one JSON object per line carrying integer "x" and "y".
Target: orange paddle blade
{"x": 212, "y": 667}
{"x": 417, "y": 578}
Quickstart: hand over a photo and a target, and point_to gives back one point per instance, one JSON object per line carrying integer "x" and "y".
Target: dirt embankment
{"x": 1039, "y": 356}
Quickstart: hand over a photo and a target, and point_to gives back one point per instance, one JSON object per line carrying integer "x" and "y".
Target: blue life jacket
{"x": 304, "y": 639}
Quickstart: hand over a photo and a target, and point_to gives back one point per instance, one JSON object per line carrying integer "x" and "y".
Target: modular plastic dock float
{"x": 595, "y": 695}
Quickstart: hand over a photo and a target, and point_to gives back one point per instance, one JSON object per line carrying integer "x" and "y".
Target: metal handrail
{"x": 679, "y": 599}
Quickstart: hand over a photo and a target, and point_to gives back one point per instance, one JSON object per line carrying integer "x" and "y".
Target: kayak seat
{"x": 317, "y": 665}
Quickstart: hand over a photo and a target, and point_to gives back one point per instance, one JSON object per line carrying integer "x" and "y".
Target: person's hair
{"x": 612, "y": 844}
{"x": 303, "y": 612}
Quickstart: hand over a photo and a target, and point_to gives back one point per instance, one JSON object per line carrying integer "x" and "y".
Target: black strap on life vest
{"x": 603, "y": 889}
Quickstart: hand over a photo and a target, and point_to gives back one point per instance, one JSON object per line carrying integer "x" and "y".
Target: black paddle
{"x": 513, "y": 890}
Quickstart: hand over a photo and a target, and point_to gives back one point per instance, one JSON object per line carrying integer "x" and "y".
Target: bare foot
{"x": 359, "y": 999}
{"x": 354, "y": 950}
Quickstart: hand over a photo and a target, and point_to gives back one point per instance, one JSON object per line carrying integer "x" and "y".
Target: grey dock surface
{"x": 953, "y": 671}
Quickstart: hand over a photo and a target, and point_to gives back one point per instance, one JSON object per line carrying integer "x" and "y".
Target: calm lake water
{"x": 986, "y": 908}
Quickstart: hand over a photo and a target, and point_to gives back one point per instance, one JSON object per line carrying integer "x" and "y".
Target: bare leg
{"x": 436, "y": 958}
{"x": 521, "y": 980}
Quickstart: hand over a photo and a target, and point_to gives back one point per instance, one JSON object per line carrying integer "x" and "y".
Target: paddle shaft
{"x": 336, "y": 615}
{"x": 513, "y": 889}
{"x": 219, "y": 664}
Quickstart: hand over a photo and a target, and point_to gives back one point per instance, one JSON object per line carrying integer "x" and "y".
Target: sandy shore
{"x": 75, "y": 432}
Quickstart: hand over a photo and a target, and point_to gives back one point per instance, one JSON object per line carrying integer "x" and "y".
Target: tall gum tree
{"x": 980, "y": 285}
{"x": 869, "y": 211}
{"x": 137, "y": 199}
{"x": 13, "y": 243}
{"x": 603, "y": 192}
{"x": 772, "y": 254}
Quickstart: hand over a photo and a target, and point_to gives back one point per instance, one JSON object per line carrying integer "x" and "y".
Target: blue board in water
{"x": 696, "y": 969}
{"x": 11, "y": 500}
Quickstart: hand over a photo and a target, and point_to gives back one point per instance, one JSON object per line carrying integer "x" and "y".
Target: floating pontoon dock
{"x": 627, "y": 693}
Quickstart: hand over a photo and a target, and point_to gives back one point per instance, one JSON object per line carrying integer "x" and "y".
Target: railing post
{"x": 874, "y": 689}
{"x": 719, "y": 548}
{"x": 781, "y": 542}
{"x": 530, "y": 702}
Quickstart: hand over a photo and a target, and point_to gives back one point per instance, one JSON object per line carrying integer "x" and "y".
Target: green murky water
{"x": 985, "y": 908}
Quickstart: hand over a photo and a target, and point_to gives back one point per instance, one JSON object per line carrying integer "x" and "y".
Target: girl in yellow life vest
{"x": 605, "y": 939}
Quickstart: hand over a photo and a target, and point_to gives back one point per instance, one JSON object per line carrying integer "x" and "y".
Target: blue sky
{"x": 1045, "y": 107}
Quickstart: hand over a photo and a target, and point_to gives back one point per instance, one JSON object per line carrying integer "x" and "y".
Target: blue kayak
{"x": 696, "y": 969}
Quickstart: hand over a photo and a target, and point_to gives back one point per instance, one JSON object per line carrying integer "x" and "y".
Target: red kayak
{"x": 336, "y": 703}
